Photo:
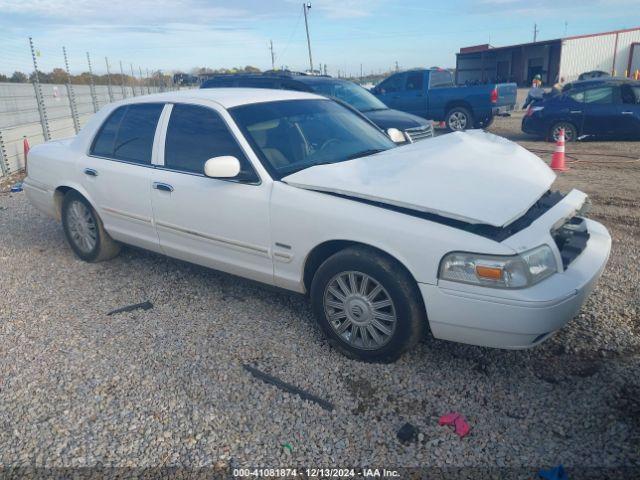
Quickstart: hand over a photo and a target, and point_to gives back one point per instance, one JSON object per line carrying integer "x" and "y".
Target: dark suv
{"x": 415, "y": 128}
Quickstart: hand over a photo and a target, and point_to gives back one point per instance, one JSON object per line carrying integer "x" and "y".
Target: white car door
{"x": 117, "y": 173}
{"x": 223, "y": 224}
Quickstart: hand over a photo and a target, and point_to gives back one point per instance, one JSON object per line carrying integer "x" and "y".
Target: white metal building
{"x": 616, "y": 52}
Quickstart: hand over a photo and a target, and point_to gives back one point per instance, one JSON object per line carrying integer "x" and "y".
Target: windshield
{"x": 351, "y": 94}
{"x": 293, "y": 135}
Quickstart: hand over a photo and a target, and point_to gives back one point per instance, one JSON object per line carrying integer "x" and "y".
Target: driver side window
{"x": 194, "y": 135}
{"x": 391, "y": 84}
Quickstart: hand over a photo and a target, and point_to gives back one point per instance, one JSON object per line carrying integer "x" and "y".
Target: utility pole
{"x": 360, "y": 73}
{"x": 305, "y": 7}
{"x": 397, "y": 68}
{"x": 566, "y": 24}
{"x": 273, "y": 57}
{"x": 535, "y": 32}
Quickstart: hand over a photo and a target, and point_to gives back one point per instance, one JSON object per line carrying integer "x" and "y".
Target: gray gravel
{"x": 167, "y": 387}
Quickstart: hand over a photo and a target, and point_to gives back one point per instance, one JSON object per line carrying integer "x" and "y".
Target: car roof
{"x": 612, "y": 80}
{"x": 227, "y": 97}
{"x": 306, "y": 79}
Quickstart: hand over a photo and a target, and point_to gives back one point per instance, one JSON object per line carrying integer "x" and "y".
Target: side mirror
{"x": 396, "y": 135}
{"x": 222, "y": 167}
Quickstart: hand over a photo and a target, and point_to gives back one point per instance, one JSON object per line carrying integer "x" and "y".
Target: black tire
{"x": 570, "y": 132}
{"x": 104, "y": 247}
{"x": 459, "y": 119}
{"x": 486, "y": 123}
{"x": 398, "y": 285}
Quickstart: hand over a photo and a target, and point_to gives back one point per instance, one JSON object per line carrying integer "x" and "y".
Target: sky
{"x": 182, "y": 34}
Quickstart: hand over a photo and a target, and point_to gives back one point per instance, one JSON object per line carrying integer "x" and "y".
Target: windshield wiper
{"x": 365, "y": 153}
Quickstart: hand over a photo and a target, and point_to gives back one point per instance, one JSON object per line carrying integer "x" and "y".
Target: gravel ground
{"x": 166, "y": 386}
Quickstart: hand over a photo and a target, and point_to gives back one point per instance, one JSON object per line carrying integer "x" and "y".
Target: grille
{"x": 419, "y": 133}
{"x": 571, "y": 239}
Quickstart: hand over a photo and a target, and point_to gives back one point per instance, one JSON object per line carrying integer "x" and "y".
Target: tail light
{"x": 494, "y": 95}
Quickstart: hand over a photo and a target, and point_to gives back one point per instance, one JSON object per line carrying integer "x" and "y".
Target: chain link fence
{"x": 39, "y": 112}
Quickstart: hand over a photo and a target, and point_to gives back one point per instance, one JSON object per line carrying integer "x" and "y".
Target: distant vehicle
{"x": 593, "y": 74}
{"x": 413, "y": 127}
{"x": 603, "y": 109}
{"x": 184, "y": 79}
{"x": 459, "y": 235}
{"x": 432, "y": 94}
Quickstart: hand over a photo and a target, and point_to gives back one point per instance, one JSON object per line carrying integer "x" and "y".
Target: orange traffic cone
{"x": 557, "y": 160}
{"x": 25, "y": 148}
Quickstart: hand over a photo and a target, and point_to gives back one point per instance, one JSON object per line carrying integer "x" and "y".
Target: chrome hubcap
{"x": 82, "y": 227}
{"x": 457, "y": 121}
{"x": 360, "y": 310}
{"x": 568, "y": 134}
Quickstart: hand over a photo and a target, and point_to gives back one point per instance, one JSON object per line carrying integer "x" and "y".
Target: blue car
{"x": 606, "y": 109}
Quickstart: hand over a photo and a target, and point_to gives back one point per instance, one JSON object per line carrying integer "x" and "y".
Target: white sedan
{"x": 460, "y": 235}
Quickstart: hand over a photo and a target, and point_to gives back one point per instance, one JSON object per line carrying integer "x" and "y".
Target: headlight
{"x": 514, "y": 271}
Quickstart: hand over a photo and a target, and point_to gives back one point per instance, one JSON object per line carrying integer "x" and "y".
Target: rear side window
{"x": 415, "y": 81}
{"x": 128, "y": 133}
{"x": 440, "y": 78}
{"x": 194, "y": 135}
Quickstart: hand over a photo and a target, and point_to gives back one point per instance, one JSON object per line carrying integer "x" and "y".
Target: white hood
{"x": 472, "y": 176}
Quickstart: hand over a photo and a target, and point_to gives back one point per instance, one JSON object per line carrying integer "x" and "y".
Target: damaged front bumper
{"x": 523, "y": 318}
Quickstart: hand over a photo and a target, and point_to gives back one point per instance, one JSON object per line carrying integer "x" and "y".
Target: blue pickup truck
{"x": 431, "y": 93}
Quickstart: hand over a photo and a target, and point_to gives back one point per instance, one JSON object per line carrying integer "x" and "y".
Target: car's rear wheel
{"x": 84, "y": 231}
{"x": 367, "y": 305}
{"x": 570, "y": 132}
{"x": 459, "y": 119}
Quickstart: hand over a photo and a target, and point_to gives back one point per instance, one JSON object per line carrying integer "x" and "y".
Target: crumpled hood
{"x": 473, "y": 176}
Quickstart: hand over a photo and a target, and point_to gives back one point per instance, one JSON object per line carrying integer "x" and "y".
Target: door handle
{"x": 575, "y": 111}
{"x": 165, "y": 187}
{"x": 627, "y": 113}
{"x": 91, "y": 172}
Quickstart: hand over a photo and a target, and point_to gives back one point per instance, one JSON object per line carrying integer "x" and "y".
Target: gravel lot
{"x": 167, "y": 387}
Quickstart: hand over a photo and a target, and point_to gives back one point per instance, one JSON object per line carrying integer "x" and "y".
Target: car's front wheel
{"x": 84, "y": 231}
{"x": 368, "y": 305}
{"x": 570, "y": 132}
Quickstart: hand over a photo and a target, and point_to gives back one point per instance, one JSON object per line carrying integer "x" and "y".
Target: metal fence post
{"x": 124, "y": 93}
{"x": 42, "y": 111}
{"x": 92, "y": 86}
{"x": 71, "y": 94}
{"x": 109, "y": 80}
{"x": 141, "y": 80}
{"x": 133, "y": 80}
{"x": 4, "y": 164}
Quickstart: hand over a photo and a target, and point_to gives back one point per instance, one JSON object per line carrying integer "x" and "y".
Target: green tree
{"x": 19, "y": 77}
